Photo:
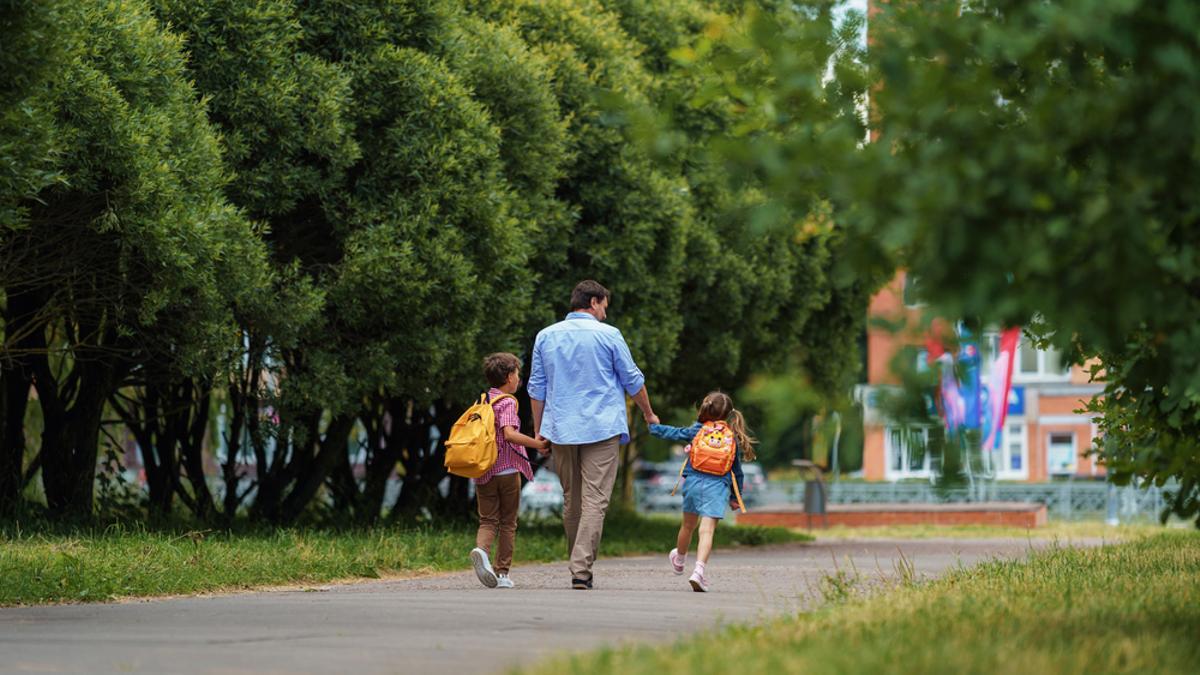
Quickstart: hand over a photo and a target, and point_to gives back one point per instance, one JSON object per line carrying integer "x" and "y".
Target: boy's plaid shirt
{"x": 509, "y": 455}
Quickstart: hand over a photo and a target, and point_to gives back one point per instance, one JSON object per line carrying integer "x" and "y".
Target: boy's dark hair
{"x": 585, "y": 291}
{"x": 497, "y": 367}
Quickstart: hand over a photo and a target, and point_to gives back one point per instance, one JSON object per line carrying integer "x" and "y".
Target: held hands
{"x": 543, "y": 445}
{"x": 651, "y": 418}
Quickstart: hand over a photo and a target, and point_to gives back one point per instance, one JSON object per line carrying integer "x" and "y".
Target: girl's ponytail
{"x": 741, "y": 435}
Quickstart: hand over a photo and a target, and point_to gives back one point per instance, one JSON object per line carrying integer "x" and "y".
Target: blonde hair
{"x": 718, "y": 407}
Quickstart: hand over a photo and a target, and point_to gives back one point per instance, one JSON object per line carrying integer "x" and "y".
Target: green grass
{"x": 1062, "y": 530}
{"x": 86, "y": 564}
{"x": 1133, "y": 607}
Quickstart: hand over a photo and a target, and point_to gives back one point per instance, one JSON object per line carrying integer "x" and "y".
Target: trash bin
{"x": 814, "y": 491}
{"x": 814, "y": 497}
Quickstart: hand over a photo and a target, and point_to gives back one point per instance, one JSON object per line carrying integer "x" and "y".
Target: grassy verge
{"x": 1133, "y": 607}
{"x": 1062, "y": 530}
{"x": 101, "y": 564}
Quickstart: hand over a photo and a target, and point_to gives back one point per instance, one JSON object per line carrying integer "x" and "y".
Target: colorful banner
{"x": 999, "y": 387}
{"x": 970, "y": 362}
{"x": 962, "y": 401}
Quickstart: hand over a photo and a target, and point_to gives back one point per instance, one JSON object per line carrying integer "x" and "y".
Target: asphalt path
{"x": 450, "y": 623}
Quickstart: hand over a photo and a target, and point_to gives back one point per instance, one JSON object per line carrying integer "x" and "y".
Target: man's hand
{"x": 544, "y": 445}
{"x": 652, "y": 419}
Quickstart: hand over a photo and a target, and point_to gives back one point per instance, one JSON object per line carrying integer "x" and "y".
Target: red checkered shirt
{"x": 509, "y": 455}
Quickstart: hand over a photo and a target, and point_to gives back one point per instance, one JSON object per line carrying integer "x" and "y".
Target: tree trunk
{"x": 384, "y": 454}
{"x": 330, "y": 449}
{"x": 195, "y": 400}
{"x": 14, "y": 401}
{"x": 233, "y": 448}
{"x": 16, "y": 377}
{"x": 71, "y": 435}
{"x": 344, "y": 487}
{"x": 410, "y": 436}
{"x": 157, "y": 441}
{"x": 629, "y": 455}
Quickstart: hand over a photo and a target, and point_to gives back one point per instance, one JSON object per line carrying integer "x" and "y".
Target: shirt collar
{"x": 581, "y": 315}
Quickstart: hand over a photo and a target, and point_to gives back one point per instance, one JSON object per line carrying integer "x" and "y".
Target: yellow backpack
{"x": 471, "y": 449}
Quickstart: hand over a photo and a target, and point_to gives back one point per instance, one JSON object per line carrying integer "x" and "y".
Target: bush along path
{"x": 1131, "y": 607}
{"x": 63, "y": 564}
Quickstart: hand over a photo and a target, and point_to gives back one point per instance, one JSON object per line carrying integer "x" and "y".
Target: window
{"x": 907, "y": 452}
{"x": 1060, "y": 453}
{"x": 1008, "y": 461}
{"x": 1040, "y": 364}
{"x": 1014, "y": 445}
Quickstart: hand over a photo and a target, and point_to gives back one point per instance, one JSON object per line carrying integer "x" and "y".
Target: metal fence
{"x": 1063, "y": 499}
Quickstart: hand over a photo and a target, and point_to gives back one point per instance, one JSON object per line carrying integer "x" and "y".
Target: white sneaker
{"x": 502, "y": 581}
{"x": 698, "y": 582}
{"x": 676, "y": 561}
{"x": 483, "y": 567}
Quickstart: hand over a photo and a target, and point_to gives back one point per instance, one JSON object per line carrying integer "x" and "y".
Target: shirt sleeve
{"x": 506, "y": 413}
{"x": 678, "y": 434}
{"x": 628, "y": 373}
{"x": 536, "y": 386}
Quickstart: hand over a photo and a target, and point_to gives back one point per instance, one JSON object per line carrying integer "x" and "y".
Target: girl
{"x": 704, "y": 494}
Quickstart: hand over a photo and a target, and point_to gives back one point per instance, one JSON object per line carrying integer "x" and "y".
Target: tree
{"x": 133, "y": 257}
{"x": 1044, "y": 159}
{"x": 288, "y": 142}
{"x": 1033, "y": 165}
{"x": 32, "y": 50}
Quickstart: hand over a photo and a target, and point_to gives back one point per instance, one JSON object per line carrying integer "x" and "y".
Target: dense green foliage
{"x": 267, "y": 241}
{"x": 1035, "y": 168}
{"x": 1033, "y": 164}
{"x": 131, "y": 257}
{"x": 1124, "y": 608}
{"x": 42, "y": 563}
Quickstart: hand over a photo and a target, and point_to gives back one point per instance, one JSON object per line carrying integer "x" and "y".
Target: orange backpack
{"x": 712, "y": 451}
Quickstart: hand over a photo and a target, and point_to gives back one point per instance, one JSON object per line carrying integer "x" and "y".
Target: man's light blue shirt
{"x": 582, "y": 370}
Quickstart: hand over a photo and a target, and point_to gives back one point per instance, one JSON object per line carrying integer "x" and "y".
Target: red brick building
{"x": 1043, "y": 436}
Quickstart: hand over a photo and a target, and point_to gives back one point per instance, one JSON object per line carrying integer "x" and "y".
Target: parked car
{"x": 654, "y": 488}
{"x": 755, "y": 482}
{"x": 648, "y": 475}
{"x": 652, "y": 483}
{"x": 543, "y": 495}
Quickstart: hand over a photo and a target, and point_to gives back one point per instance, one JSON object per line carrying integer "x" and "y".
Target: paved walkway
{"x": 450, "y": 623}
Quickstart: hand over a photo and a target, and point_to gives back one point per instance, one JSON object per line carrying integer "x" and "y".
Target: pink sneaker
{"x": 676, "y": 560}
{"x": 698, "y": 582}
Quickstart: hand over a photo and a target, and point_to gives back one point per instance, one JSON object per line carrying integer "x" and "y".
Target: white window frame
{"x": 1050, "y": 470}
{"x": 1005, "y": 471}
{"x": 890, "y": 449}
{"x": 1041, "y": 375}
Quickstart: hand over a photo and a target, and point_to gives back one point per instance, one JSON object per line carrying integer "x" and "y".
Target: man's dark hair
{"x": 585, "y": 291}
{"x": 497, "y": 367}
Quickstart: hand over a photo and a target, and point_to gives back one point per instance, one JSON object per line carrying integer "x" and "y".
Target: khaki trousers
{"x": 587, "y": 473}
{"x": 499, "y": 500}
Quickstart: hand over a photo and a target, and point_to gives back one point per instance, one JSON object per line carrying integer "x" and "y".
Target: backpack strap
{"x": 737, "y": 492}
{"x": 680, "y": 478}
{"x": 501, "y": 397}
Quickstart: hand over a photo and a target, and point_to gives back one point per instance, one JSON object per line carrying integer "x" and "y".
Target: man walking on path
{"x": 581, "y": 371}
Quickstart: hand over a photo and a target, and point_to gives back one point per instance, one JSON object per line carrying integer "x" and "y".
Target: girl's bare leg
{"x": 685, "y": 533}
{"x": 707, "y": 527}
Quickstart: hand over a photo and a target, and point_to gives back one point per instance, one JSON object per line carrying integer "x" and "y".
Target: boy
{"x": 498, "y": 492}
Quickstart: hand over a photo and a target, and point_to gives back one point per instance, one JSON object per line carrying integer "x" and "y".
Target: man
{"x": 581, "y": 372}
